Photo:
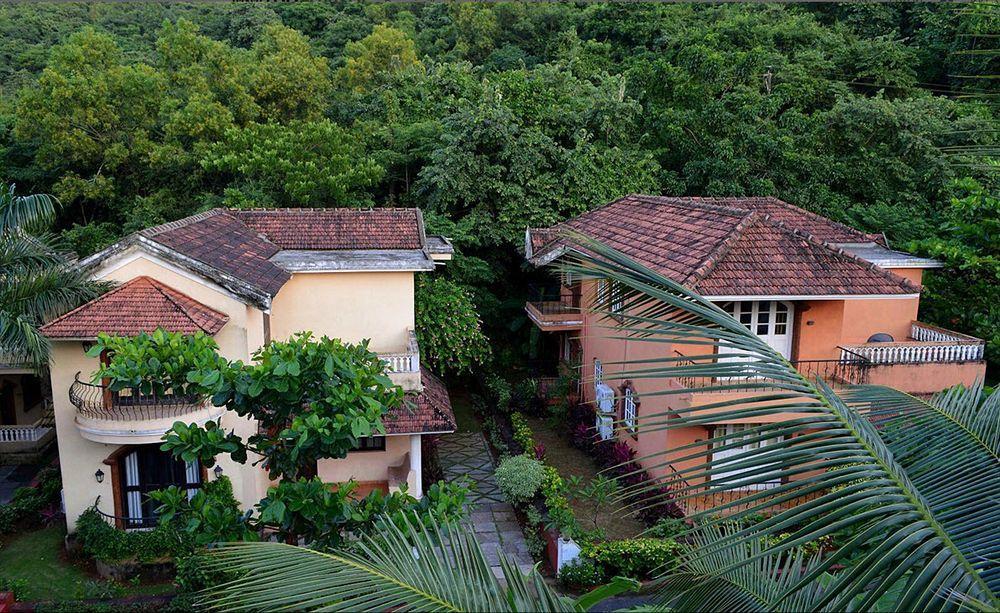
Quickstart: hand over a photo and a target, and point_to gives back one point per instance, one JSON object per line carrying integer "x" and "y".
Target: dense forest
{"x": 495, "y": 117}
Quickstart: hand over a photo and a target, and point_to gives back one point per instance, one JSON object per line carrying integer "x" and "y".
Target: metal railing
{"x": 122, "y": 522}
{"x": 929, "y": 344}
{"x": 101, "y": 402}
{"x": 850, "y": 369}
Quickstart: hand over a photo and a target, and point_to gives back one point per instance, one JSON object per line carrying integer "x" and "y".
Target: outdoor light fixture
{"x": 99, "y": 475}
{"x": 217, "y": 471}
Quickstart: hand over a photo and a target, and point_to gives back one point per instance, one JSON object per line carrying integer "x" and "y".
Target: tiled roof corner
{"x": 428, "y": 411}
{"x": 143, "y": 304}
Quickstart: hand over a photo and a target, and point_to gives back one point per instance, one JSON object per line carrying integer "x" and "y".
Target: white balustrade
{"x": 930, "y": 344}
{"x": 22, "y": 434}
{"x": 406, "y": 361}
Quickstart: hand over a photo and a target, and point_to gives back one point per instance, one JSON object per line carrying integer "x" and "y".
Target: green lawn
{"x": 36, "y": 557}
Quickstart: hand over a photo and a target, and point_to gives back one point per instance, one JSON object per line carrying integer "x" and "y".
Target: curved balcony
{"x": 126, "y": 416}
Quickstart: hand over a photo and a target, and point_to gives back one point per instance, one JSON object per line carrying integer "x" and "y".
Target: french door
{"x": 147, "y": 469}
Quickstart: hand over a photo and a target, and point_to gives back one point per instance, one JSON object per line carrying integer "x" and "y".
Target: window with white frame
{"x": 598, "y": 372}
{"x": 617, "y": 297}
{"x": 628, "y": 409}
{"x": 746, "y": 434}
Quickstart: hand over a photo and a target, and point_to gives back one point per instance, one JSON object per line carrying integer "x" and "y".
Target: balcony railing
{"x": 122, "y": 522}
{"x": 851, "y": 369}
{"x": 23, "y": 434}
{"x": 928, "y": 344}
{"x": 404, "y": 361}
{"x": 101, "y": 402}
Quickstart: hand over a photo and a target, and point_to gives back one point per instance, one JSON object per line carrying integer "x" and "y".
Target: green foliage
{"x": 448, "y": 326}
{"x": 519, "y": 478}
{"x": 522, "y": 432}
{"x": 583, "y": 573}
{"x": 498, "y": 393}
{"x": 113, "y": 546}
{"x": 965, "y": 294}
{"x": 637, "y": 558}
{"x": 27, "y": 502}
{"x": 376, "y": 59}
{"x": 315, "y": 163}
{"x": 212, "y": 515}
{"x": 160, "y": 363}
{"x": 190, "y": 442}
{"x": 667, "y": 528}
{"x": 18, "y": 586}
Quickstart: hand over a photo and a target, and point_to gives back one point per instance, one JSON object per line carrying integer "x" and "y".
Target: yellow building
{"x": 245, "y": 277}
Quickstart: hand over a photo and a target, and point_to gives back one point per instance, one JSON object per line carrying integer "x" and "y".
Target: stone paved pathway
{"x": 464, "y": 455}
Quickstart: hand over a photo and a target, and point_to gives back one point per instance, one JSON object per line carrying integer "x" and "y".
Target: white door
{"x": 771, "y": 320}
{"x": 761, "y": 446}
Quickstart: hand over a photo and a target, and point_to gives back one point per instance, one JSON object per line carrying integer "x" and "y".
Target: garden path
{"x": 465, "y": 456}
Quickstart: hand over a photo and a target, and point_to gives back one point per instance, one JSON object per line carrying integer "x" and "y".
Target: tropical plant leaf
{"x": 425, "y": 567}
{"x": 826, "y": 471}
{"x": 947, "y": 449}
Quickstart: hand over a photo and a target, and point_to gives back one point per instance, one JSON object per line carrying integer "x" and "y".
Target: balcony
{"x": 403, "y": 367}
{"x": 126, "y": 416}
{"x": 554, "y": 315}
{"x": 848, "y": 370}
{"x": 930, "y": 360}
{"x": 25, "y": 443}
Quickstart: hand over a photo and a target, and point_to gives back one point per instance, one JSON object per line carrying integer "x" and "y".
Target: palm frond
{"x": 27, "y": 212}
{"x": 739, "y": 577}
{"x": 947, "y": 447}
{"x": 425, "y": 567}
{"x": 828, "y": 472}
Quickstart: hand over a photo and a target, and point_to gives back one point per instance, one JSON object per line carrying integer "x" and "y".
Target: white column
{"x": 416, "y": 465}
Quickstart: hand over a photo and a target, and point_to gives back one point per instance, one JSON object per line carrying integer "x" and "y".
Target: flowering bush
{"x": 582, "y": 573}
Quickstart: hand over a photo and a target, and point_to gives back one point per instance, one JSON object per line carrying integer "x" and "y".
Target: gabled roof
{"x": 429, "y": 411}
{"x": 727, "y": 247}
{"x": 141, "y": 305}
{"x": 252, "y": 253}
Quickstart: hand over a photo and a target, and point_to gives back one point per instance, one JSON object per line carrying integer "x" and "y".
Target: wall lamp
{"x": 99, "y": 475}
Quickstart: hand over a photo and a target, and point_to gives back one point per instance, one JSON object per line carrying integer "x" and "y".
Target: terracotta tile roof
{"x": 333, "y": 229}
{"x": 769, "y": 259}
{"x": 141, "y": 305}
{"x": 429, "y": 411}
{"x": 222, "y": 241}
{"x": 820, "y": 227}
{"x": 730, "y": 246}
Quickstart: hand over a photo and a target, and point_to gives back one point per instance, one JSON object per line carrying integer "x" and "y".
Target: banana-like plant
{"x": 912, "y": 483}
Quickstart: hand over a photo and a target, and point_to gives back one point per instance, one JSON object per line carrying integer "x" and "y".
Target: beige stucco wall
{"x": 365, "y": 465}
{"x": 351, "y": 306}
{"x": 80, "y": 457}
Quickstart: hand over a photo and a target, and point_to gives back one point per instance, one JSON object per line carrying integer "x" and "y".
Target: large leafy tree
{"x": 37, "y": 279}
{"x": 905, "y": 484}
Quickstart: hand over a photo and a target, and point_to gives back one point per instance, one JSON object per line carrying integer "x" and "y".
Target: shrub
{"x": 667, "y": 527}
{"x": 583, "y": 573}
{"x": 30, "y": 501}
{"x": 522, "y": 432}
{"x": 18, "y": 586}
{"x": 519, "y": 478}
{"x": 636, "y": 558}
{"x": 492, "y": 429}
{"x": 498, "y": 392}
{"x": 108, "y": 544}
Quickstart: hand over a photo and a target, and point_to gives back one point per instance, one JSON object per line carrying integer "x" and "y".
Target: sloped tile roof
{"x": 141, "y": 305}
{"x": 222, "y": 241}
{"x": 428, "y": 411}
{"x": 334, "y": 229}
{"x": 769, "y": 259}
{"x": 730, "y": 246}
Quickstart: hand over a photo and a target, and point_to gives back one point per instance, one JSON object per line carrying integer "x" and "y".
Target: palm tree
{"x": 37, "y": 278}
{"x": 910, "y": 485}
